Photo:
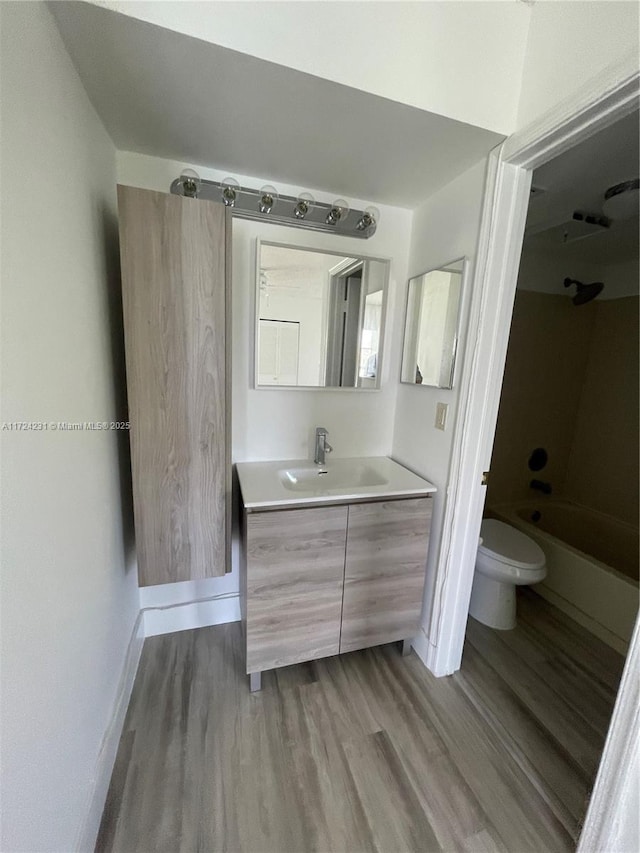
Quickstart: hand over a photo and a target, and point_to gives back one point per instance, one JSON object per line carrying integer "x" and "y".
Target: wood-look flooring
{"x": 365, "y": 751}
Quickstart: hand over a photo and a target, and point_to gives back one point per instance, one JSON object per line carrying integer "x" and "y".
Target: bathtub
{"x": 592, "y": 564}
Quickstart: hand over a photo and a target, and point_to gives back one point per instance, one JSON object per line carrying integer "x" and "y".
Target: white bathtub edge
{"x": 598, "y": 597}
{"x": 581, "y": 618}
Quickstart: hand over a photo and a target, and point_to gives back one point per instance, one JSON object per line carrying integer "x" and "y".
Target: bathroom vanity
{"x": 333, "y": 557}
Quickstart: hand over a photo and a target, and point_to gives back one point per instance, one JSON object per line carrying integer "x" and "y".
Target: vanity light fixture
{"x": 190, "y": 183}
{"x": 230, "y": 188}
{"x": 370, "y": 217}
{"x": 305, "y": 202}
{"x": 268, "y": 197}
{"x": 339, "y": 210}
{"x": 270, "y": 206}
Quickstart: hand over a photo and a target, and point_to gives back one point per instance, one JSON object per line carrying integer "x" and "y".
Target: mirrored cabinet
{"x": 319, "y": 318}
{"x": 431, "y": 326}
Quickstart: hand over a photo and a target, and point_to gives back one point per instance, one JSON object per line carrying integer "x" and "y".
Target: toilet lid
{"x": 505, "y": 543}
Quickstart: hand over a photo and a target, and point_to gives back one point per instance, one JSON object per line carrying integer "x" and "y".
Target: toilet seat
{"x": 509, "y": 546}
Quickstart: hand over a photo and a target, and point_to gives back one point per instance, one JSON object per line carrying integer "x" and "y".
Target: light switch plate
{"x": 441, "y": 415}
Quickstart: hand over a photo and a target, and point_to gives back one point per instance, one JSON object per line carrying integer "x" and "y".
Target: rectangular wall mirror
{"x": 319, "y": 318}
{"x": 431, "y": 326}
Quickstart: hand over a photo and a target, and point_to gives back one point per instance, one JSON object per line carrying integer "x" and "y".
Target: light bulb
{"x": 190, "y": 183}
{"x": 268, "y": 197}
{"x": 305, "y": 202}
{"x": 369, "y": 218}
{"x": 229, "y": 190}
{"x": 339, "y": 211}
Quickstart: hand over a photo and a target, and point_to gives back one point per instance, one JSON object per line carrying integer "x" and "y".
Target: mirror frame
{"x": 464, "y": 260}
{"x": 253, "y": 354}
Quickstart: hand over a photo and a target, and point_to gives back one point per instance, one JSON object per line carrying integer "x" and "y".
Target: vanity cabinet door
{"x": 386, "y": 557}
{"x": 176, "y": 299}
{"x": 294, "y": 580}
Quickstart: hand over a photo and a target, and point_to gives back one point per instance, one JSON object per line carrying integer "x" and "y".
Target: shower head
{"x": 585, "y": 292}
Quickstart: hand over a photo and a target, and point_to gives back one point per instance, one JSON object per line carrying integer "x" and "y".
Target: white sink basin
{"x": 299, "y": 482}
{"x": 350, "y": 475}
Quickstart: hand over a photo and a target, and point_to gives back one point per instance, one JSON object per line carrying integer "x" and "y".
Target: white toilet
{"x": 506, "y": 559}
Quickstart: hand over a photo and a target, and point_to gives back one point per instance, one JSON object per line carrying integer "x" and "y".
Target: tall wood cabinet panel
{"x": 176, "y": 302}
{"x": 294, "y": 575}
{"x": 386, "y": 552}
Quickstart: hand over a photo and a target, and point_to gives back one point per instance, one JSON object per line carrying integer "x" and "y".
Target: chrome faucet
{"x": 322, "y": 446}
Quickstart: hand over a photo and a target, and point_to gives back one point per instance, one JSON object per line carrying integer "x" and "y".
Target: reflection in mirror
{"x": 319, "y": 318}
{"x": 430, "y": 332}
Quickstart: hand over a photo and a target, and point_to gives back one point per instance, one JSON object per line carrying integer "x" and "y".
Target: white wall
{"x": 570, "y": 43}
{"x": 620, "y": 279}
{"x": 69, "y": 591}
{"x": 278, "y": 424}
{"x": 444, "y": 229}
{"x": 462, "y": 60}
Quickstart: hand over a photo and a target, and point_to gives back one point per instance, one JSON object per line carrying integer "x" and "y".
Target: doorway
{"x": 564, "y": 473}
{"x": 508, "y": 184}
{"x": 564, "y": 466}
{"x": 343, "y": 337}
{"x": 509, "y": 175}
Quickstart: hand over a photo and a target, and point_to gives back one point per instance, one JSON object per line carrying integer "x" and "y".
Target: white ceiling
{"x": 577, "y": 181}
{"x": 169, "y": 95}
{"x": 423, "y": 54}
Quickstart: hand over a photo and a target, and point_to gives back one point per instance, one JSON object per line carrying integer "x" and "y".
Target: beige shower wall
{"x": 546, "y": 364}
{"x": 571, "y": 386}
{"x": 603, "y": 466}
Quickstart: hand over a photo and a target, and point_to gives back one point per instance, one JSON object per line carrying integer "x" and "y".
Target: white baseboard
{"x": 109, "y": 747}
{"x": 150, "y": 622}
{"x": 420, "y": 644}
{"x": 191, "y": 614}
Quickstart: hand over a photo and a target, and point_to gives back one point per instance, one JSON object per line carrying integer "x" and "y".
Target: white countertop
{"x": 299, "y": 482}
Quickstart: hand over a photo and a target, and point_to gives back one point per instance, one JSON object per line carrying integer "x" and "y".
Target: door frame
{"x": 506, "y": 198}
{"x": 336, "y": 331}
{"x": 603, "y": 101}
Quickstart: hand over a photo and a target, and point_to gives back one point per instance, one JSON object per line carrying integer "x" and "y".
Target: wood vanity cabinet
{"x": 384, "y": 571}
{"x": 176, "y": 308}
{"x": 295, "y": 568}
{"x": 322, "y": 580}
